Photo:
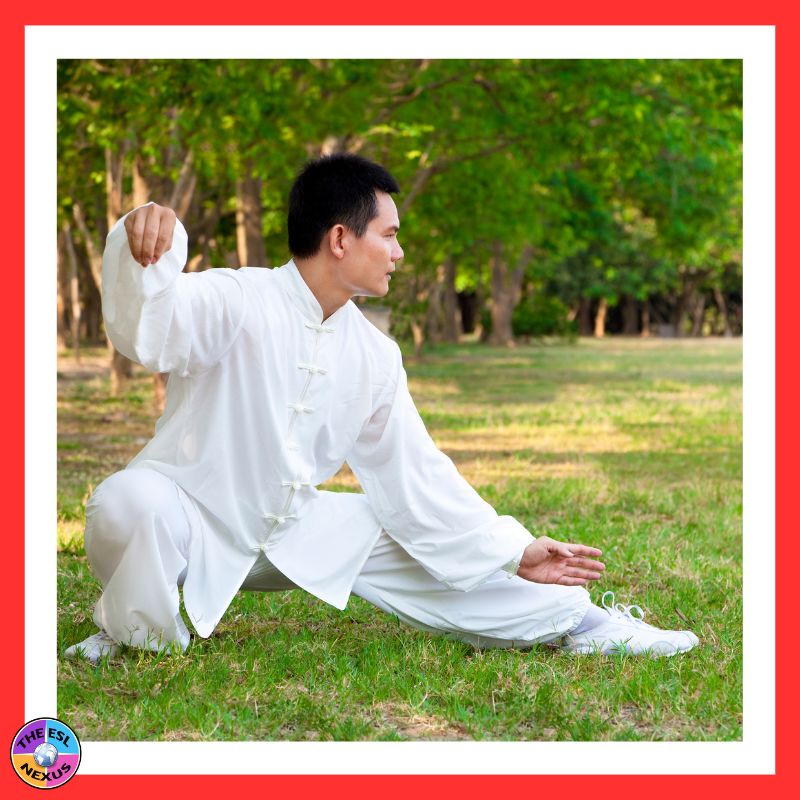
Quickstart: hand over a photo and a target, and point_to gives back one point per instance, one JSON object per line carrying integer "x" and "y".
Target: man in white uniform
{"x": 275, "y": 380}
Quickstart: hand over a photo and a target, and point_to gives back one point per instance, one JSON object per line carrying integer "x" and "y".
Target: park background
{"x": 570, "y": 305}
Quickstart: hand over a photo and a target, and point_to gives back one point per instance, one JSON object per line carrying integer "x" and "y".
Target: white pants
{"x": 138, "y": 539}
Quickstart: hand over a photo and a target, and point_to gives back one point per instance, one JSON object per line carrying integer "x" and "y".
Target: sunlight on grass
{"x": 632, "y": 445}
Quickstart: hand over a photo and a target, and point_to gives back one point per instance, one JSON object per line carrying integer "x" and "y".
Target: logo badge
{"x": 45, "y": 753}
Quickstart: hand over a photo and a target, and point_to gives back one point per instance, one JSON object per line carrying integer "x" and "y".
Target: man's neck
{"x": 318, "y": 277}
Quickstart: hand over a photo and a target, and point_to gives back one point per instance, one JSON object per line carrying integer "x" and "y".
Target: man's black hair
{"x": 334, "y": 190}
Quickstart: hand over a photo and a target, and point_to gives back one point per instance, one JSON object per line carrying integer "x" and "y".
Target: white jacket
{"x": 265, "y": 401}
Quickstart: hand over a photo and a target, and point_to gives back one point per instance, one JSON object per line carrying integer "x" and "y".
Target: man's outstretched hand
{"x": 150, "y": 230}
{"x": 547, "y": 561}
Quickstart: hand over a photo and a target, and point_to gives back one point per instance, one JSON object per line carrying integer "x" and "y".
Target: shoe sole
{"x": 584, "y": 651}
{"x": 80, "y": 655}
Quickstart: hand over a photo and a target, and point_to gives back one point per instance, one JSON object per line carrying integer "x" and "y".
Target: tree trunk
{"x": 681, "y": 306}
{"x": 418, "y": 336}
{"x": 678, "y": 316}
{"x": 698, "y": 313}
{"x": 91, "y": 311}
{"x": 646, "y": 318}
{"x": 585, "y": 317}
{"x": 420, "y": 292}
{"x": 506, "y": 288}
{"x": 183, "y": 190}
{"x": 160, "y": 391}
{"x": 434, "y": 323}
{"x": 630, "y": 315}
{"x": 500, "y": 304}
{"x": 94, "y": 256}
{"x": 719, "y": 298}
{"x": 114, "y": 164}
{"x": 452, "y": 312}
{"x": 121, "y": 367}
{"x": 600, "y": 318}
{"x": 74, "y": 291}
{"x": 121, "y": 371}
{"x": 204, "y": 231}
{"x": 141, "y": 189}
{"x": 480, "y": 330}
{"x": 249, "y": 241}
{"x": 62, "y": 294}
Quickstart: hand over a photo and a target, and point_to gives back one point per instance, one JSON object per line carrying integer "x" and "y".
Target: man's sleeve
{"x": 423, "y": 502}
{"x": 163, "y": 318}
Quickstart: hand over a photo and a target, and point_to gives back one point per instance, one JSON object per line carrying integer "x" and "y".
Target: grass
{"x": 634, "y": 446}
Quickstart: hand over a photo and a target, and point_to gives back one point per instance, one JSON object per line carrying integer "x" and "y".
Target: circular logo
{"x": 45, "y": 753}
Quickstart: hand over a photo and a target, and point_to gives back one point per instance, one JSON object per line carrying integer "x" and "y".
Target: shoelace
{"x": 621, "y": 610}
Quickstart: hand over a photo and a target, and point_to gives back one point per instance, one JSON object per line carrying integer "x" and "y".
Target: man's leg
{"x": 493, "y": 615}
{"x": 266, "y": 577}
{"x": 502, "y": 612}
{"x": 137, "y": 542}
{"x": 508, "y": 611}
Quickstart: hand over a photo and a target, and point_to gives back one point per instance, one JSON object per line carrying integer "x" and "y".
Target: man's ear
{"x": 336, "y": 241}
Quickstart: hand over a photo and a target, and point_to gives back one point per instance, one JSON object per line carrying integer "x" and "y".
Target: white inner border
{"x": 754, "y": 44}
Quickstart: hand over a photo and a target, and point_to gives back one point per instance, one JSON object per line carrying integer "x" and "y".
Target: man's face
{"x": 369, "y": 260}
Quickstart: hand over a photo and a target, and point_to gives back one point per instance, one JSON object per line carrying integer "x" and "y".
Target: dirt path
{"x": 94, "y": 363}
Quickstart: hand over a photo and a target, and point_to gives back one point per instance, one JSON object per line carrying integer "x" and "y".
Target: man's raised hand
{"x": 150, "y": 229}
{"x": 547, "y": 561}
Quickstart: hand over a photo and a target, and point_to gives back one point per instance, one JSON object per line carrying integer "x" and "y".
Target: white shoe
{"x": 625, "y": 632}
{"x": 94, "y": 648}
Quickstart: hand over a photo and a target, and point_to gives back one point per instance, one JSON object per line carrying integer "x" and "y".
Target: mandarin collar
{"x": 303, "y": 298}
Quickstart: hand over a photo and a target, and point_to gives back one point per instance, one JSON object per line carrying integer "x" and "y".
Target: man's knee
{"x": 116, "y": 508}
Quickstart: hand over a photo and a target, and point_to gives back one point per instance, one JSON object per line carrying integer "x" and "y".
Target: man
{"x": 275, "y": 380}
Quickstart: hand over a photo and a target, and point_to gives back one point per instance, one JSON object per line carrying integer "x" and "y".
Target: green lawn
{"x": 634, "y": 446}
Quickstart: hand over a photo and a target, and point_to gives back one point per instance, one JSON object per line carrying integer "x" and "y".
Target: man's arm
{"x": 154, "y": 313}
{"x": 426, "y": 506}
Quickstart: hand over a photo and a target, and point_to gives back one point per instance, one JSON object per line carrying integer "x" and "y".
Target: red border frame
{"x": 361, "y": 12}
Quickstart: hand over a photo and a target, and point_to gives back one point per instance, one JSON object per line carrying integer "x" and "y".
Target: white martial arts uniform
{"x": 265, "y": 401}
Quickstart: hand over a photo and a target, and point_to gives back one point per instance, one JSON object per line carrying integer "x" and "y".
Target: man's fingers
{"x": 567, "y": 580}
{"x": 552, "y": 546}
{"x": 584, "y": 550}
{"x": 136, "y": 233}
{"x": 150, "y": 236}
{"x": 586, "y": 563}
{"x": 165, "y": 233}
{"x": 586, "y": 574}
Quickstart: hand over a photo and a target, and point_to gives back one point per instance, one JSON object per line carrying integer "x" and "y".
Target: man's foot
{"x": 94, "y": 648}
{"x": 625, "y": 632}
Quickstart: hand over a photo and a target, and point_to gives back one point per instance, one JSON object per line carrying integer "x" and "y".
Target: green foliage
{"x": 541, "y": 315}
{"x": 624, "y": 176}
